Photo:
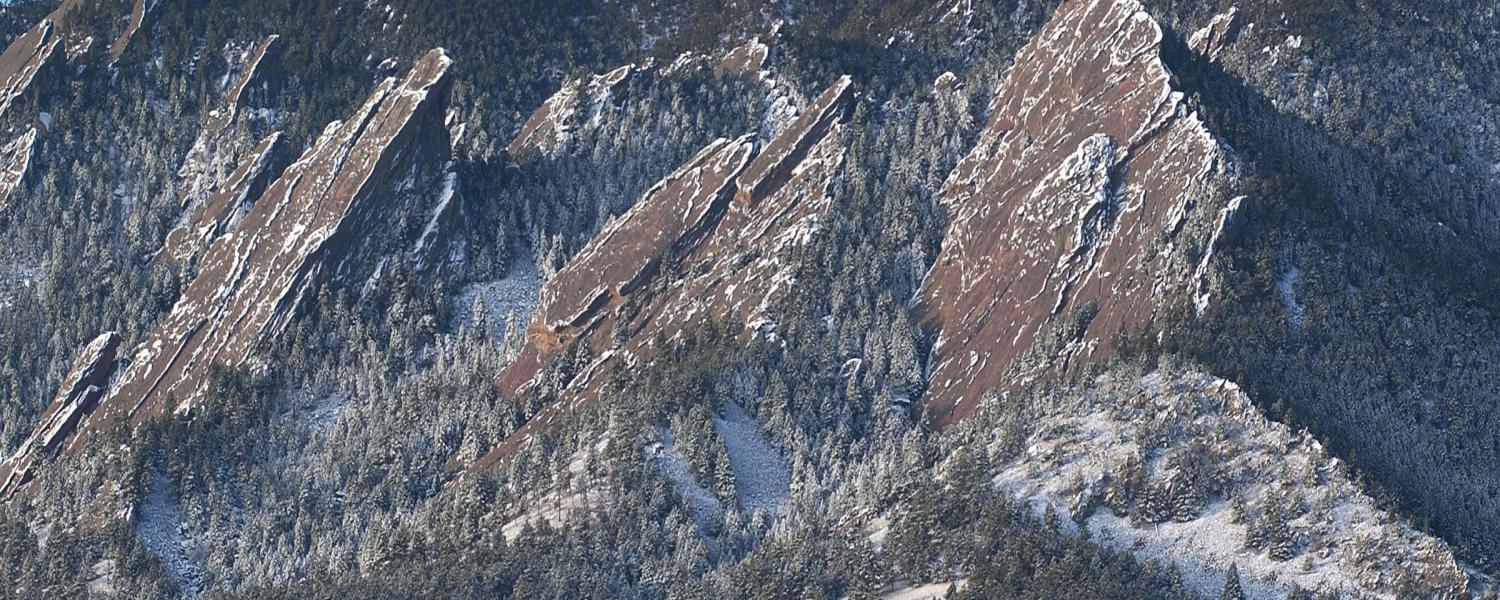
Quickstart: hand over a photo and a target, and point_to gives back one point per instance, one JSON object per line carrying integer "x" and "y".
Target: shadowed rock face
{"x": 726, "y": 221}
{"x": 250, "y": 280}
{"x": 1091, "y": 186}
{"x": 76, "y": 397}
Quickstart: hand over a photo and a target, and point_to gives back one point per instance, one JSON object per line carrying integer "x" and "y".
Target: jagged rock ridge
{"x": 1092, "y": 186}
{"x": 727, "y": 219}
{"x": 250, "y": 280}
{"x": 76, "y": 397}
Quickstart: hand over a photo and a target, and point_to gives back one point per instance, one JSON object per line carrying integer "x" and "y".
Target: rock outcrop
{"x": 215, "y": 196}
{"x": 1086, "y": 204}
{"x": 229, "y": 201}
{"x": 16, "y": 158}
{"x": 743, "y": 62}
{"x": 1222, "y": 31}
{"x": 577, "y": 104}
{"x": 217, "y": 148}
{"x": 313, "y": 216}
{"x": 725, "y": 222}
{"x": 20, "y": 64}
{"x": 77, "y": 396}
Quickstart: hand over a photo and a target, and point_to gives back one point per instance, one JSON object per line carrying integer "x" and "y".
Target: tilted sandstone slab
{"x": 1092, "y": 186}
{"x": 16, "y": 158}
{"x": 225, "y": 205}
{"x": 217, "y": 148}
{"x": 726, "y": 221}
{"x": 251, "y": 279}
{"x": 76, "y": 397}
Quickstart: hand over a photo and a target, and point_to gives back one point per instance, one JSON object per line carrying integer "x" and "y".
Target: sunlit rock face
{"x": 1092, "y": 187}
{"x": 727, "y": 222}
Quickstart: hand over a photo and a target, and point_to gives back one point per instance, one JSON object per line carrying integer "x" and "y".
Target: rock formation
{"x": 76, "y": 398}
{"x": 251, "y": 280}
{"x": 726, "y": 220}
{"x": 1092, "y": 187}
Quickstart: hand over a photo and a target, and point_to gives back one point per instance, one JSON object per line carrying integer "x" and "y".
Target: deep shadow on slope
{"x": 1397, "y": 354}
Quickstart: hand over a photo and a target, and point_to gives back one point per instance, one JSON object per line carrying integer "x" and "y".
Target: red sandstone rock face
{"x": 727, "y": 220}
{"x": 250, "y": 280}
{"x": 80, "y": 390}
{"x": 1220, "y": 33}
{"x": 1090, "y": 186}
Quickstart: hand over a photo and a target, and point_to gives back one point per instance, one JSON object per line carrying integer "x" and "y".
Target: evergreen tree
{"x": 1232, "y": 590}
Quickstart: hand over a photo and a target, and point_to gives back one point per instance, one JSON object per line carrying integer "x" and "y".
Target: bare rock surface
{"x": 727, "y": 220}
{"x": 1088, "y": 189}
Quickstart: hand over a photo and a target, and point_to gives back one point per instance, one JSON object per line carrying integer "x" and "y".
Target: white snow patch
{"x": 704, "y": 506}
{"x": 1286, "y": 284}
{"x": 513, "y": 297}
{"x": 761, "y": 476}
{"x": 165, "y": 536}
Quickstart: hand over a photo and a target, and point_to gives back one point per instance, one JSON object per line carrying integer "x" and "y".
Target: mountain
{"x": 1090, "y": 298}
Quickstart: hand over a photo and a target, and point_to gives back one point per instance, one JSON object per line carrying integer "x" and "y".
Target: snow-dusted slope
{"x": 1154, "y": 464}
{"x": 1092, "y": 185}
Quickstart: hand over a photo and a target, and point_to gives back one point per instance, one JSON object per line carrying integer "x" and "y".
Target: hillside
{"x": 1029, "y": 299}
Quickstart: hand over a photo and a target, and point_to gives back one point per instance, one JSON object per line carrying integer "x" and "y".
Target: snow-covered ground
{"x": 1345, "y": 542}
{"x": 931, "y": 591}
{"x": 512, "y": 297}
{"x": 161, "y": 529}
{"x": 761, "y": 476}
{"x": 704, "y": 505}
{"x": 573, "y": 492}
{"x": 1286, "y": 284}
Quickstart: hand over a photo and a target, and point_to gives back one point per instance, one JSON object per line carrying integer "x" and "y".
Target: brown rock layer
{"x": 1090, "y": 186}
{"x": 76, "y": 398}
{"x": 726, "y": 220}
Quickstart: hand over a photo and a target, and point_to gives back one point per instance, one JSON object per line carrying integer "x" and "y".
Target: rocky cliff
{"x": 1085, "y": 209}
{"x": 77, "y": 396}
{"x": 709, "y": 241}
{"x": 251, "y": 279}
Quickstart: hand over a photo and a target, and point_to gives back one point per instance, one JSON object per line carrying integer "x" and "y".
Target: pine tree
{"x": 1187, "y": 502}
{"x": 1232, "y": 590}
{"x": 1276, "y": 532}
